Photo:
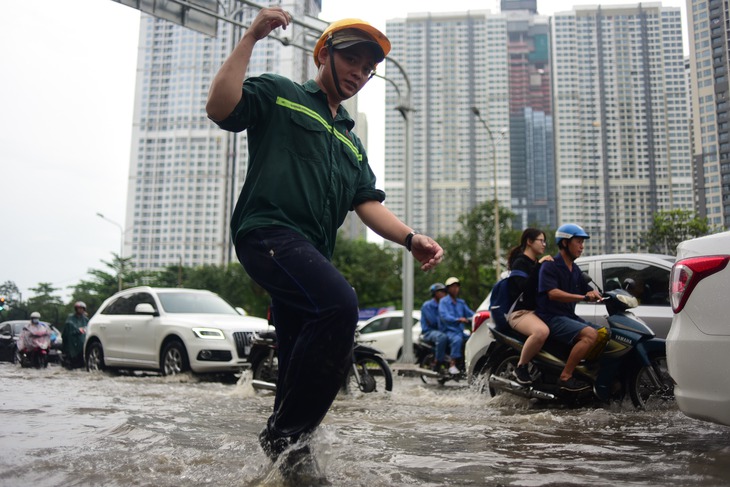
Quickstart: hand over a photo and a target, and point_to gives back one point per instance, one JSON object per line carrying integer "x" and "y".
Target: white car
{"x": 698, "y": 344}
{"x": 385, "y": 332}
{"x": 169, "y": 330}
{"x": 650, "y": 273}
{"x": 478, "y": 343}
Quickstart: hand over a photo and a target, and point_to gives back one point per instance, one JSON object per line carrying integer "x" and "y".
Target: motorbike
{"x": 627, "y": 358}
{"x": 369, "y": 372}
{"x": 33, "y": 347}
{"x": 425, "y": 353}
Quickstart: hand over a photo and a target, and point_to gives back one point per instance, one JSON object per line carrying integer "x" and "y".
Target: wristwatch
{"x": 409, "y": 240}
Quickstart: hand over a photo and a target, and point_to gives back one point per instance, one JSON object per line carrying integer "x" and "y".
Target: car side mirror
{"x": 241, "y": 311}
{"x": 145, "y": 309}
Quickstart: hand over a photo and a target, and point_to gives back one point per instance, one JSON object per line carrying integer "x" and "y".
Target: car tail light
{"x": 688, "y": 272}
{"x": 479, "y": 318}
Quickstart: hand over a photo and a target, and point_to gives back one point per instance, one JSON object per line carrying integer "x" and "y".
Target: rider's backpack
{"x": 500, "y": 303}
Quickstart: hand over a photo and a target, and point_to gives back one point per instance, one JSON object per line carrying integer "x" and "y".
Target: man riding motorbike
{"x": 35, "y": 338}
{"x": 560, "y": 287}
{"x": 430, "y": 323}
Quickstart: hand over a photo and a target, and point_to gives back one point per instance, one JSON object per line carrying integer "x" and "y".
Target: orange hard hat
{"x": 350, "y": 36}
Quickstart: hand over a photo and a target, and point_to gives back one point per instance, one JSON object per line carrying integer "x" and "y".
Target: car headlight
{"x": 209, "y": 333}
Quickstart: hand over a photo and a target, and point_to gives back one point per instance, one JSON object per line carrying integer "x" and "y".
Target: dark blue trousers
{"x": 315, "y": 312}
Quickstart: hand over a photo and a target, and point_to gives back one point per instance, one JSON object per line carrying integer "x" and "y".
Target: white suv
{"x": 169, "y": 330}
{"x": 698, "y": 344}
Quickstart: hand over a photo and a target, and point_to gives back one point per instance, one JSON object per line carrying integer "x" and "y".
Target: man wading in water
{"x": 306, "y": 170}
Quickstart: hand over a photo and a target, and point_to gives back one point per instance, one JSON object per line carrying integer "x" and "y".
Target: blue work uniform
{"x": 430, "y": 328}
{"x": 450, "y": 310}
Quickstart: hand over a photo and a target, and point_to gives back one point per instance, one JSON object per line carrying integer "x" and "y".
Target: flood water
{"x": 72, "y": 428}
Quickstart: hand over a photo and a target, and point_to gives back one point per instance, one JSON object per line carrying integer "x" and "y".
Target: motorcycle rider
{"x": 454, "y": 314}
{"x": 560, "y": 287}
{"x": 430, "y": 324}
{"x": 34, "y": 333}
{"x": 527, "y": 257}
{"x": 74, "y": 335}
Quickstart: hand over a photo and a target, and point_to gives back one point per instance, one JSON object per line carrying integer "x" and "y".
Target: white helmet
{"x": 80, "y": 304}
{"x": 35, "y": 314}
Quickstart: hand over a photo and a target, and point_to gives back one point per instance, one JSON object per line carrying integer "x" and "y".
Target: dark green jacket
{"x": 305, "y": 170}
{"x": 73, "y": 338}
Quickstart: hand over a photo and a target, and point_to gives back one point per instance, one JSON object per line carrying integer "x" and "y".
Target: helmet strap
{"x": 335, "y": 79}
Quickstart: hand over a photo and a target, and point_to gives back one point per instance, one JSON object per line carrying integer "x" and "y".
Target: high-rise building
{"x": 185, "y": 173}
{"x": 454, "y": 61}
{"x": 532, "y": 164}
{"x": 499, "y": 64}
{"x": 709, "y": 66}
{"x": 620, "y": 113}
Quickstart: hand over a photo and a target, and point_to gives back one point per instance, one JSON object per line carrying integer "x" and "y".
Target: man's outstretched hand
{"x": 426, "y": 251}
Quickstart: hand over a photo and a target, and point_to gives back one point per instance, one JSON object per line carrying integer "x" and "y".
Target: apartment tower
{"x": 185, "y": 173}
{"x": 622, "y": 143}
{"x": 456, "y": 62}
{"x": 709, "y": 46}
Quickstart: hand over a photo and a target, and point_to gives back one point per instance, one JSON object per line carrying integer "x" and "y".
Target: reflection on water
{"x": 62, "y": 428}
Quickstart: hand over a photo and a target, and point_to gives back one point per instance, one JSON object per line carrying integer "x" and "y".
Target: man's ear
{"x": 323, "y": 56}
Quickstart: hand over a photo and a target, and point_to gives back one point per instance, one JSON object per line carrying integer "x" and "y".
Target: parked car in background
{"x": 10, "y": 332}
{"x": 170, "y": 330}
{"x": 649, "y": 272}
{"x": 385, "y": 332}
{"x": 698, "y": 344}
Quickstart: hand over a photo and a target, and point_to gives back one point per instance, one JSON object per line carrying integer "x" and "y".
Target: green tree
{"x": 105, "y": 282}
{"x": 10, "y": 291}
{"x": 46, "y": 302}
{"x": 14, "y": 307}
{"x": 469, "y": 254}
{"x": 374, "y": 271}
{"x": 671, "y": 227}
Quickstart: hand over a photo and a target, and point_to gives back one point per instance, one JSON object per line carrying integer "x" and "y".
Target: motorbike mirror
{"x": 629, "y": 284}
{"x": 589, "y": 280}
{"x": 587, "y": 277}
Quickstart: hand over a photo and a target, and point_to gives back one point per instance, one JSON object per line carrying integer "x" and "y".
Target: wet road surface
{"x": 72, "y": 428}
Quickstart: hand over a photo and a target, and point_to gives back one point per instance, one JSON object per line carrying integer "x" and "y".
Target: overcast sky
{"x": 66, "y": 103}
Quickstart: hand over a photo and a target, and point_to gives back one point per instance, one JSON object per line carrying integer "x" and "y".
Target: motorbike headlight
{"x": 209, "y": 333}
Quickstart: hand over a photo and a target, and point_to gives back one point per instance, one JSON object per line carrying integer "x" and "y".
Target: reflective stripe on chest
{"x": 316, "y": 116}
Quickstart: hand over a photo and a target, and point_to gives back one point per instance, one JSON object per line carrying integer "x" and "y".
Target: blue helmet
{"x": 569, "y": 230}
{"x": 436, "y": 287}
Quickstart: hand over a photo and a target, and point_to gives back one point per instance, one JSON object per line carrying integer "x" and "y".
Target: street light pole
{"x": 405, "y": 108}
{"x": 497, "y": 250}
{"x": 121, "y": 248}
